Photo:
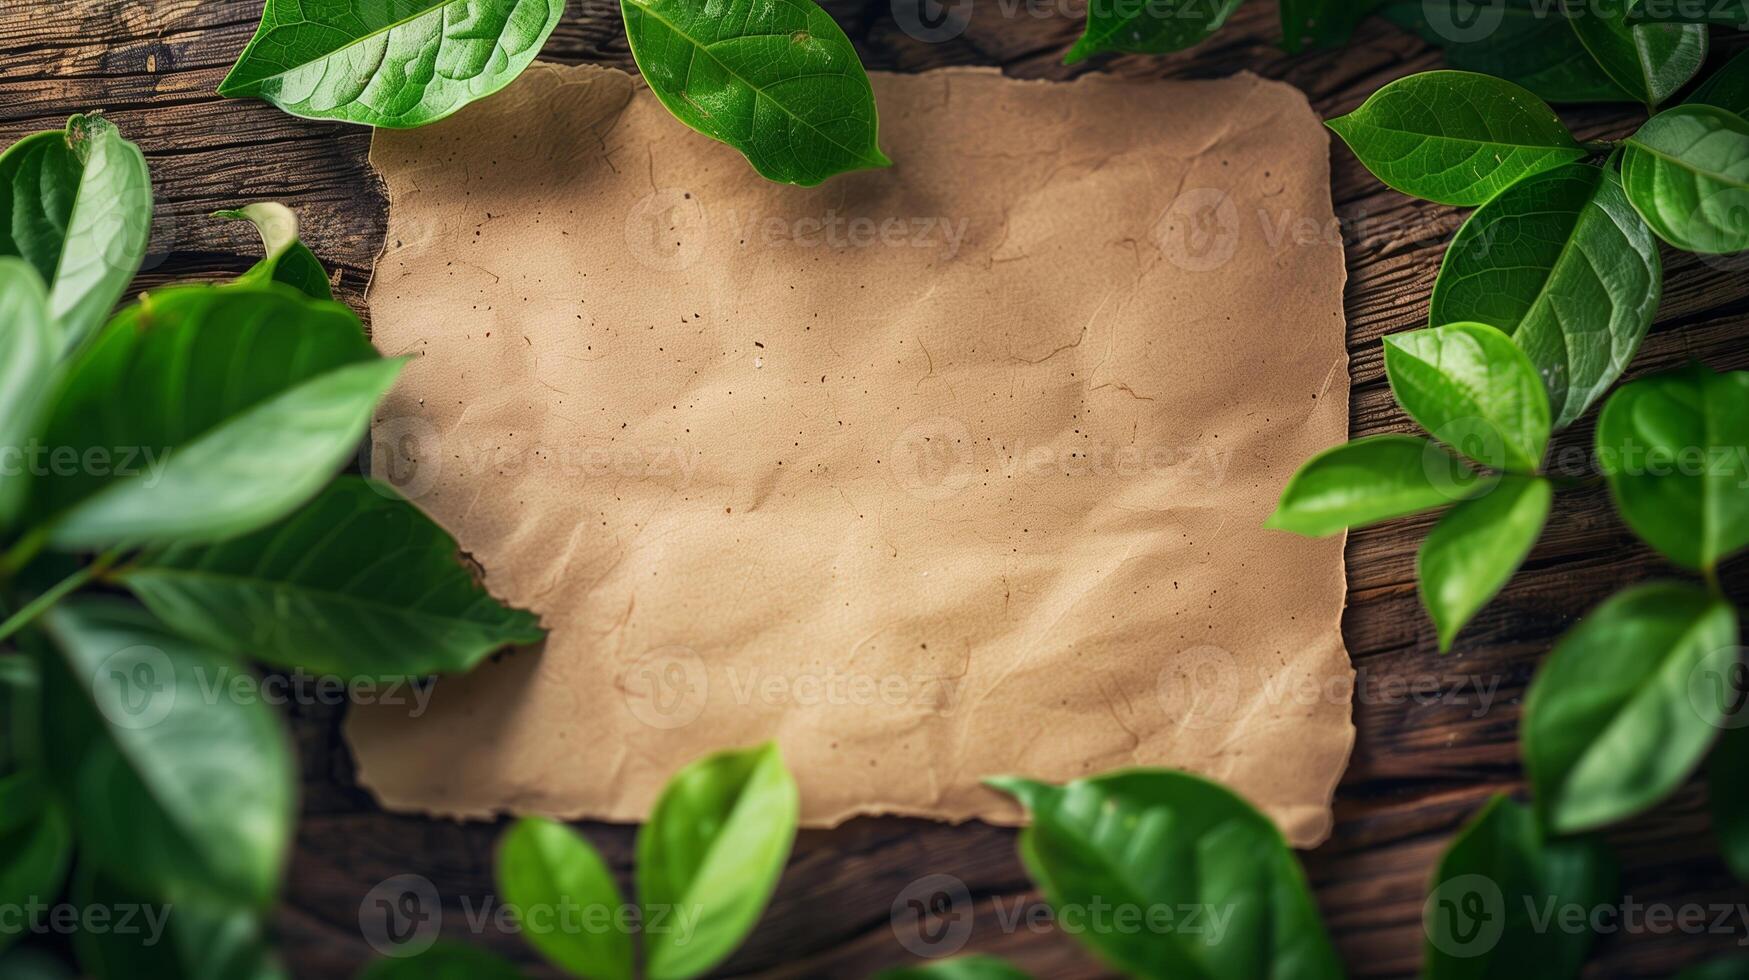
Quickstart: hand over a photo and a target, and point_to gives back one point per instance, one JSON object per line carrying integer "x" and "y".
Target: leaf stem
{"x": 1711, "y": 574}
{"x": 41, "y": 604}
{"x": 21, "y": 553}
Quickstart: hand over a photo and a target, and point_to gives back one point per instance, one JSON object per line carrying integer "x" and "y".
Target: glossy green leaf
{"x": 391, "y": 63}
{"x": 288, "y": 261}
{"x": 1498, "y": 878}
{"x": 1370, "y": 480}
{"x": 77, "y": 205}
{"x": 1649, "y": 61}
{"x": 958, "y": 968}
{"x": 1475, "y": 549}
{"x": 1675, "y": 450}
{"x": 1687, "y": 173}
{"x": 445, "y": 960}
{"x": 566, "y": 900}
{"x": 1627, "y": 704}
{"x": 1320, "y": 23}
{"x": 713, "y": 849}
{"x": 1455, "y": 137}
{"x": 1728, "y": 791}
{"x": 1562, "y": 264}
{"x": 169, "y": 939}
{"x": 241, "y": 403}
{"x": 172, "y": 785}
{"x": 356, "y": 583}
{"x": 1522, "y": 41}
{"x": 29, "y": 346}
{"x": 1727, "y": 88}
{"x": 1148, "y": 26}
{"x": 1140, "y": 839}
{"x": 1471, "y": 387}
{"x": 34, "y": 856}
{"x": 775, "y": 79}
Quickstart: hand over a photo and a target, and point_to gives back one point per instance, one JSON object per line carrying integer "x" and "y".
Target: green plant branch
{"x": 20, "y": 554}
{"x": 65, "y": 587}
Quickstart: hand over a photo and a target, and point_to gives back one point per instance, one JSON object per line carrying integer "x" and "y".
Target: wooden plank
{"x": 1437, "y": 734}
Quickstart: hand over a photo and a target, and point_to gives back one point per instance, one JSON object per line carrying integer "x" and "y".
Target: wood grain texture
{"x": 1430, "y": 748}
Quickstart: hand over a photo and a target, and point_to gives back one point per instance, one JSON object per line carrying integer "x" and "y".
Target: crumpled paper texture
{"x": 930, "y": 473}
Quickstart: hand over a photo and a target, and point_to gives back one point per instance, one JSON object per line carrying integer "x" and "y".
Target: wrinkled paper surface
{"x": 929, "y": 473}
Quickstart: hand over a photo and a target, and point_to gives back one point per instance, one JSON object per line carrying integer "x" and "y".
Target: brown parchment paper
{"x": 929, "y": 473}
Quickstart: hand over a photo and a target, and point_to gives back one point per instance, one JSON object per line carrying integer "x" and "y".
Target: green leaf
{"x": 241, "y": 403}
{"x": 776, "y": 80}
{"x": 1320, "y": 23}
{"x": 1563, "y": 265}
{"x": 20, "y": 748}
{"x": 713, "y": 849}
{"x": 1625, "y": 707}
{"x": 1728, "y": 795}
{"x": 1471, "y": 387}
{"x": 287, "y": 261}
{"x": 1370, "y": 480}
{"x": 34, "y": 856}
{"x": 1675, "y": 449}
{"x": 1455, "y": 137}
{"x": 1687, "y": 173}
{"x": 545, "y": 869}
{"x": 390, "y": 63}
{"x": 1649, "y": 61}
{"x": 971, "y": 967}
{"x": 1497, "y": 877}
{"x": 1475, "y": 549}
{"x": 445, "y": 960}
{"x": 1727, "y": 88}
{"x": 177, "y": 789}
{"x": 1523, "y": 41}
{"x": 1148, "y": 26}
{"x": 29, "y": 346}
{"x": 169, "y": 940}
{"x": 358, "y": 583}
{"x": 1140, "y": 839}
{"x": 77, "y": 205}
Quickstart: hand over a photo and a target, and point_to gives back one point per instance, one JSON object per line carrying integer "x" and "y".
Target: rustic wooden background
{"x": 1422, "y": 765}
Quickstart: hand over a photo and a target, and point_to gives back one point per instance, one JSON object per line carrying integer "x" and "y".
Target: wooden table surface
{"x": 1436, "y": 733}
